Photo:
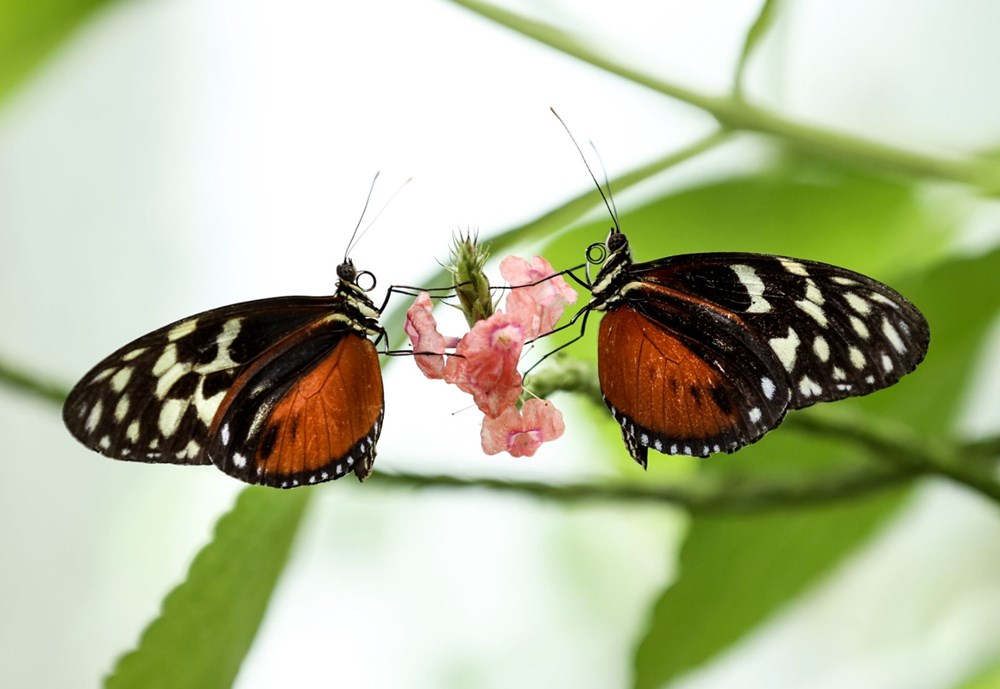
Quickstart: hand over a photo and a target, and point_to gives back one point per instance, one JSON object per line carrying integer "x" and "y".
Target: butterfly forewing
{"x": 155, "y": 399}
{"x": 836, "y": 333}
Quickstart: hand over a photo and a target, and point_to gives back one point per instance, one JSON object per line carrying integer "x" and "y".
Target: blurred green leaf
{"x": 30, "y": 30}
{"x": 208, "y": 622}
{"x": 737, "y": 571}
{"x": 988, "y": 678}
{"x": 960, "y": 298}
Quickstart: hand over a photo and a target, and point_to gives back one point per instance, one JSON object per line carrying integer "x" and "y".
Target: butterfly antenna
{"x": 607, "y": 185}
{"x": 354, "y": 235}
{"x": 382, "y": 209}
{"x": 597, "y": 184}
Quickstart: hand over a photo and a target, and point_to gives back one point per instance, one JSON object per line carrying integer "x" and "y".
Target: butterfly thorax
{"x": 611, "y": 280}
{"x": 357, "y": 310}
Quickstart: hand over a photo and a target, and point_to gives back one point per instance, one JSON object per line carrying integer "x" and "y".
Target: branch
{"x": 35, "y": 386}
{"x": 756, "y": 33}
{"x": 701, "y": 496}
{"x": 913, "y": 457}
{"x": 732, "y": 112}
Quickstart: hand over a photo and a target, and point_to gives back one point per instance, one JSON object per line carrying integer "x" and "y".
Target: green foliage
{"x": 30, "y": 31}
{"x": 208, "y": 623}
{"x": 737, "y": 571}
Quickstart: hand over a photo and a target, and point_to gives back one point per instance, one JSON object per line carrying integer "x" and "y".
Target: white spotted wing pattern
{"x": 705, "y": 353}
{"x": 280, "y": 392}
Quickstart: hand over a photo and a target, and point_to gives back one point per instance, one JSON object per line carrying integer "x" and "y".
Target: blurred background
{"x": 168, "y": 157}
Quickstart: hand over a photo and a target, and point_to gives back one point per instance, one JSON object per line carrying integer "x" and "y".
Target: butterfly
{"x": 705, "y": 353}
{"x": 281, "y": 392}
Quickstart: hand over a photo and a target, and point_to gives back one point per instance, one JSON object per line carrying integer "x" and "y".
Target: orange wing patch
{"x": 677, "y": 403}
{"x": 329, "y": 420}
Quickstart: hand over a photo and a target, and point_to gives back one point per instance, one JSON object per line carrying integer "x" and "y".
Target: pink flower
{"x": 540, "y": 305}
{"x": 487, "y": 367}
{"x": 521, "y": 432}
{"x": 484, "y": 362}
{"x": 421, "y": 327}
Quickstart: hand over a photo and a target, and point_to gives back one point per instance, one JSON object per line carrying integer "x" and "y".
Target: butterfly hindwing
{"x": 837, "y": 333}
{"x": 673, "y": 389}
{"x": 308, "y": 411}
{"x": 154, "y": 400}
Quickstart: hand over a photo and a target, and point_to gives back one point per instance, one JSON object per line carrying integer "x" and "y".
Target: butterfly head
{"x": 347, "y": 273}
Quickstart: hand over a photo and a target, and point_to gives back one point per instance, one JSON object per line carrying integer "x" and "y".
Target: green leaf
{"x": 30, "y": 31}
{"x": 729, "y": 583}
{"x": 209, "y": 622}
{"x": 736, "y": 571}
{"x": 987, "y": 678}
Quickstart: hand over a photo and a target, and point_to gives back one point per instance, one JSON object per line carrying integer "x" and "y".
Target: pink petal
{"x": 537, "y": 306}
{"x": 422, "y": 330}
{"x": 522, "y": 432}
{"x": 487, "y": 365}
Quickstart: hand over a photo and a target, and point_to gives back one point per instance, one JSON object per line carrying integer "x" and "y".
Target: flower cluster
{"x": 484, "y": 362}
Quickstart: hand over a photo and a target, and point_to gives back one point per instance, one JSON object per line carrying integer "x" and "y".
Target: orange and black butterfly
{"x": 280, "y": 392}
{"x": 705, "y": 353}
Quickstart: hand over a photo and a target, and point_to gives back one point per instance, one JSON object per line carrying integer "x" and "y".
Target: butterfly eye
{"x": 347, "y": 272}
{"x": 596, "y": 253}
{"x": 616, "y": 241}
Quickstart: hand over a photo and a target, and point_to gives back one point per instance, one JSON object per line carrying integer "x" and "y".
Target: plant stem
{"x": 733, "y": 112}
{"x": 701, "y": 497}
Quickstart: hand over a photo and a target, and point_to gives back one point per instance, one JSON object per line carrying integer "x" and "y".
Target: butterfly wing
{"x": 309, "y": 411}
{"x": 675, "y": 391}
{"x": 154, "y": 400}
{"x": 837, "y": 333}
{"x": 704, "y": 352}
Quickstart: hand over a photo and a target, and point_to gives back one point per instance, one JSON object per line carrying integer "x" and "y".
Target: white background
{"x": 179, "y": 156}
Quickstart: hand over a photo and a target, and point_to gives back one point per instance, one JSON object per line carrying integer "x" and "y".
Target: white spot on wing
{"x": 120, "y": 379}
{"x": 133, "y": 354}
{"x": 767, "y": 387}
{"x": 222, "y": 359}
{"x": 859, "y": 327}
{"x": 890, "y": 334}
{"x": 132, "y": 432}
{"x": 886, "y": 363}
{"x": 875, "y": 296}
{"x": 813, "y": 293}
{"x": 857, "y": 357}
{"x": 786, "y": 348}
{"x": 813, "y": 310}
{"x": 94, "y": 417}
{"x": 794, "y": 267}
{"x": 839, "y": 373}
{"x": 239, "y": 461}
{"x": 121, "y": 409}
{"x": 754, "y": 416}
{"x": 225, "y": 434}
{"x": 182, "y": 329}
{"x": 821, "y": 348}
{"x": 754, "y": 287}
{"x": 170, "y": 417}
{"x": 857, "y": 303}
{"x": 808, "y": 387}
